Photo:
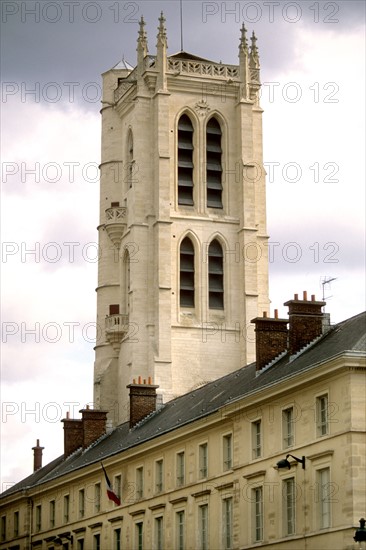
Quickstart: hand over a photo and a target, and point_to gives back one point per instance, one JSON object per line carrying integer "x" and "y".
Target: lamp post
{"x": 360, "y": 534}
{"x": 284, "y": 463}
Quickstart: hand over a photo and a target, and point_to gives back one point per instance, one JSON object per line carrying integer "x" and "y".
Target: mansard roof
{"x": 346, "y": 337}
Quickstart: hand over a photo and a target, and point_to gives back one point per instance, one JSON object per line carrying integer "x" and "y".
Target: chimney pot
{"x": 150, "y": 380}
{"x": 37, "y": 456}
{"x": 276, "y": 313}
{"x": 305, "y": 295}
{"x": 140, "y": 380}
{"x": 144, "y": 380}
{"x": 296, "y": 296}
{"x": 313, "y": 297}
{"x": 264, "y": 314}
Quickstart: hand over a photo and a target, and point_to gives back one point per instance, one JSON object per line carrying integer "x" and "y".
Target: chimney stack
{"x": 142, "y": 400}
{"x": 73, "y": 435}
{"x": 306, "y": 321}
{"x": 37, "y": 456}
{"x": 82, "y": 433}
{"x": 271, "y": 338}
{"x": 94, "y": 425}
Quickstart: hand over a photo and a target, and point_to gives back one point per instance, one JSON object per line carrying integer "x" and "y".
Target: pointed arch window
{"x": 186, "y": 273}
{"x": 214, "y": 164}
{"x": 185, "y": 161}
{"x": 215, "y": 276}
{"x": 130, "y": 159}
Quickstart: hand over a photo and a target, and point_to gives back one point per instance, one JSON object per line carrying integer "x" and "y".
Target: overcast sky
{"x": 312, "y": 70}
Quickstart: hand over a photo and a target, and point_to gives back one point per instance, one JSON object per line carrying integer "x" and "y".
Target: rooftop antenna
{"x": 181, "y": 25}
{"x": 326, "y": 281}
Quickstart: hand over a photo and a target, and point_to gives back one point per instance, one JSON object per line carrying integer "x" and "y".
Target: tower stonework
{"x": 183, "y": 262}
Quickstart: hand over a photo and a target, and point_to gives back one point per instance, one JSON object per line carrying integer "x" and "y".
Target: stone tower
{"x": 183, "y": 245}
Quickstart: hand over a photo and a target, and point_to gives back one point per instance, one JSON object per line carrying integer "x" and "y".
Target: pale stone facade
{"x": 145, "y": 216}
{"x": 212, "y": 482}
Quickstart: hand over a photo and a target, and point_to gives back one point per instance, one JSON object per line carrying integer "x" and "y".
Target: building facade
{"x": 182, "y": 229}
{"x": 270, "y": 456}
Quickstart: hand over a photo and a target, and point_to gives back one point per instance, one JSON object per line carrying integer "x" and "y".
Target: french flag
{"x": 111, "y": 494}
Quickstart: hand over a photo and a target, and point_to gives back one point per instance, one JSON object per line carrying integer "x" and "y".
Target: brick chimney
{"x": 37, "y": 456}
{"x": 142, "y": 400}
{"x": 271, "y": 338}
{"x": 83, "y": 432}
{"x": 94, "y": 425}
{"x": 306, "y": 321}
{"x": 73, "y": 435}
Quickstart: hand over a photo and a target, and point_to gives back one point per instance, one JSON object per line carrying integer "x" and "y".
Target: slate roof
{"x": 347, "y": 336}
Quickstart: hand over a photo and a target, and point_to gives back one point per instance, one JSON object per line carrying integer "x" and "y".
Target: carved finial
{"x": 142, "y": 48}
{"x": 162, "y": 36}
{"x": 142, "y": 32}
{"x": 254, "y": 56}
{"x": 243, "y": 47}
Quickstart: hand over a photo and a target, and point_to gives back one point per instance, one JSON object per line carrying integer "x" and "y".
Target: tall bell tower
{"x": 183, "y": 262}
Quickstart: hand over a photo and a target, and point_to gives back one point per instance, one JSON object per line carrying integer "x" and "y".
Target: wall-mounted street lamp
{"x": 360, "y": 534}
{"x": 284, "y": 463}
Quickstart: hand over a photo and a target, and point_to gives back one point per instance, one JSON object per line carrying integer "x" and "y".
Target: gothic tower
{"x": 183, "y": 245}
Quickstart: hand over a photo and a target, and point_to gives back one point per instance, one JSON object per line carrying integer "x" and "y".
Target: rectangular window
{"x": 139, "y": 482}
{"x": 203, "y": 526}
{"x": 3, "y": 528}
{"x": 117, "y": 539}
{"x": 81, "y": 503}
{"x": 66, "y": 508}
{"x": 180, "y": 469}
{"x": 38, "y": 518}
{"x": 97, "y": 497}
{"x": 118, "y": 486}
{"x": 159, "y": 534}
{"x": 290, "y": 500}
{"x": 228, "y": 451}
{"x": 139, "y": 535}
{"x": 257, "y": 513}
{"x": 227, "y": 523}
{"x": 203, "y": 460}
{"x": 52, "y": 513}
{"x": 288, "y": 427}
{"x": 322, "y": 415}
{"x": 180, "y": 530}
{"x": 257, "y": 439}
{"x": 159, "y": 485}
{"x": 80, "y": 544}
{"x": 16, "y": 524}
{"x": 96, "y": 542}
{"x": 324, "y": 497}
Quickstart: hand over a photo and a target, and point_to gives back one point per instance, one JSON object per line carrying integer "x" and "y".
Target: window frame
{"x": 289, "y": 497}
{"x": 203, "y": 526}
{"x": 185, "y": 162}
{"x": 227, "y": 523}
{"x": 180, "y": 529}
{"x": 216, "y": 274}
{"x": 203, "y": 460}
{"x": 214, "y": 183}
{"x": 258, "y": 513}
{"x": 180, "y": 468}
{"x": 257, "y": 438}
{"x": 159, "y": 475}
{"x": 227, "y": 451}
{"x": 187, "y": 273}
{"x": 139, "y": 482}
{"x": 288, "y": 427}
{"x": 322, "y": 415}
